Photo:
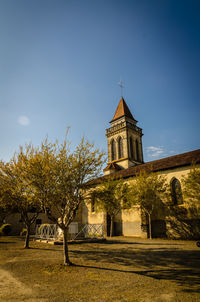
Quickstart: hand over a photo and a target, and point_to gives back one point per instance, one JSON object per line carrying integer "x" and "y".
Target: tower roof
{"x": 122, "y": 110}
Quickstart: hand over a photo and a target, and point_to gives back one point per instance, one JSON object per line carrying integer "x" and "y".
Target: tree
{"x": 17, "y": 193}
{"x": 58, "y": 176}
{"x": 110, "y": 197}
{"x": 191, "y": 188}
{"x": 146, "y": 190}
{"x": 5, "y": 205}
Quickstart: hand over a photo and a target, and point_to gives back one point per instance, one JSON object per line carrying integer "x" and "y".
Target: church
{"x": 125, "y": 160}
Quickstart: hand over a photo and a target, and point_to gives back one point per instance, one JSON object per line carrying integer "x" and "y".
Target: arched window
{"x": 131, "y": 147}
{"x": 120, "y": 147}
{"x": 137, "y": 150}
{"x": 176, "y": 191}
{"x": 113, "y": 150}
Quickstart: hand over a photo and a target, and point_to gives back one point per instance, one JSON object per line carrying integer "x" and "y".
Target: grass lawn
{"x": 123, "y": 269}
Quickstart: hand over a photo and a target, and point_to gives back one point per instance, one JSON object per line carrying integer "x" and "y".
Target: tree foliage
{"x": 17, "y": 192}
{"x": 191, "y": 188}
{"x": 58, "y": 176}
{"x": 146, "y": 190}
{"x": 110, "y": 197}
{"x": 5, "y": 205}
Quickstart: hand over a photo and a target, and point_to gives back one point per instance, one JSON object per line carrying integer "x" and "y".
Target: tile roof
{"x": 172, "y": 162}
{"x": 122, "y": 110}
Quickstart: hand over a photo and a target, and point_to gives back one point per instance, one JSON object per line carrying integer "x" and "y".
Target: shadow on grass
{"x": 45, "y": 249}
{"x": 179, "y": 266}
{"x": 141, "y": 243}
{"x": 7, "y": 242}
{"x": 182, "y": 277}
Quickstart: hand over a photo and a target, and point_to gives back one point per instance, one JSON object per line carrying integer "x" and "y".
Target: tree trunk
{"x": 111, "y": 225}
{"x": 150, "y": 234}
{"x": 26, "y": 246}
{"x": 65, "y": 248}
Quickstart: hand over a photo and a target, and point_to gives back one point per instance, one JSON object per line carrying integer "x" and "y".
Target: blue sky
{"x": 60, "y": 62}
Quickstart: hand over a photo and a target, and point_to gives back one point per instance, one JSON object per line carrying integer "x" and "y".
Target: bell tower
{"x": 124, "y": 140}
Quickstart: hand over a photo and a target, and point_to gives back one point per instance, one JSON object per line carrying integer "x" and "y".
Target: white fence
{"x": 53, "y": 232}
{"x": 46, "y": 231}
{"x": 91, "y": 231}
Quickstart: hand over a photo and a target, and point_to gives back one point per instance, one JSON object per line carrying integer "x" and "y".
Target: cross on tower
{"x": 121, "y": 86}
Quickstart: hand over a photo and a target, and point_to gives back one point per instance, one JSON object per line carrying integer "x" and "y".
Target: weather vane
{"x": 121, "y": 86}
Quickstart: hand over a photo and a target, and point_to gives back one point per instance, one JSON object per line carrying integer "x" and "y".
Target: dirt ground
{"x": 122, "y": 269}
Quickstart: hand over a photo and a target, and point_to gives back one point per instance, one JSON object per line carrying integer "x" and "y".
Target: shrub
{"x": 5, "y": 229}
